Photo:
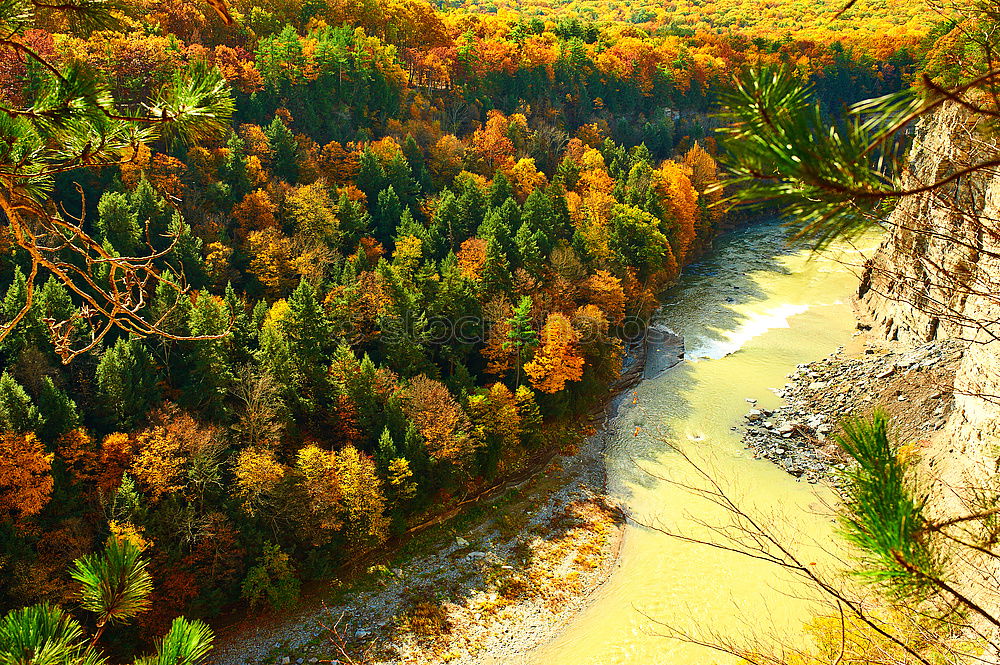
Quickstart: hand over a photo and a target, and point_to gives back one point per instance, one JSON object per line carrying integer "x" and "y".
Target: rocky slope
{"x": 937, "y": 277}
{"x": 914, "y": 384}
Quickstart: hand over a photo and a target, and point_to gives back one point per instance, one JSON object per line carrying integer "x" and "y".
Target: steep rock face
{"x": 917, "y": 287}
{"x": 937, "y": 276}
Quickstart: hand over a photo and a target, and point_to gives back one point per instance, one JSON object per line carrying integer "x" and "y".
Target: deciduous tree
{"x": 605, "y": 290}
{"x": 363, "y": 498}
{"x": 557, "y": 360}
{"x": 439, "y": 418}
{"x": 257, "y": 473}
{"x": 25, "y": 475}
{"x": 318, "y": 469}
{"x": 271, "y": 263}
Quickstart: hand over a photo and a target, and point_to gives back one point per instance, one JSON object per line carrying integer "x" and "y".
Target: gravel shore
{"x": 912, "y": 383}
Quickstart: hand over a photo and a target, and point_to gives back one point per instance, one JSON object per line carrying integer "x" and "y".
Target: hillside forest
{"x": 416, "y": 247}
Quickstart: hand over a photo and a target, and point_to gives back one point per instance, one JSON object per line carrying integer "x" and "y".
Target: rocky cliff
{"x": 937, "y": 277}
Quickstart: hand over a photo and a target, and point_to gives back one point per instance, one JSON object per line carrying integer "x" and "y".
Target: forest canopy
{"x": 281, "y": 280}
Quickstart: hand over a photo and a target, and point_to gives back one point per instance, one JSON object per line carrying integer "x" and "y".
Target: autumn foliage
{"x": 440, "y": 420}
{"x": 557, "y": 359}
{"x": 25, "y": 476}
{"x": 407, "y": 267}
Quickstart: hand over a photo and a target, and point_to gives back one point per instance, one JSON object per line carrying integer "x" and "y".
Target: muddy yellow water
{"x": 753, "y": 310}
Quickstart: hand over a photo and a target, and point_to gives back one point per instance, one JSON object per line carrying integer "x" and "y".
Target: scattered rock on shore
{"x": 912, "y": 383}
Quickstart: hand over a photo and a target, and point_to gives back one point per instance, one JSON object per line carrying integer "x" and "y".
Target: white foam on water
{"x": 754, "y": 325}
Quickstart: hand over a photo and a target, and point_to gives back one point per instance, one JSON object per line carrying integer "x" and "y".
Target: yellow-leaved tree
{"x": 557, "y": 359}
{"x": 257, "y": 473}
{"x": 271, "y": 263}
{"x": 605, "y": 291}
{"x": 363, "y": 498}
{"x": 158, "y": 462}
{"x": 313, "y": 213}
{"x": 322, "y": 484}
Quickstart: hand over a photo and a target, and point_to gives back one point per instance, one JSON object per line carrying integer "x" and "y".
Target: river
{"x": 749, "y": 313}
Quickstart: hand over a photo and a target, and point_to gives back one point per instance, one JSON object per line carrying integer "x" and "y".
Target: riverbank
{"x": 492, "y": 582}
{"x": 913, "y": 383}
{"x": 487, "y": 586}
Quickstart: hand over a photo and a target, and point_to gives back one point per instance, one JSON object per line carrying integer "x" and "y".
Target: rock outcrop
{"x": 937, "y": 276}
{"x": 914, "y": 384}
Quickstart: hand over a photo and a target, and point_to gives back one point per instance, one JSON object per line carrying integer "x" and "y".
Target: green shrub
{"x": 273, "y": 581}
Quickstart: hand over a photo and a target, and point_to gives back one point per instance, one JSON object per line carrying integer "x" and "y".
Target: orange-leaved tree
{"x": 25, "y": 475}
{"x": 440, "y": 419}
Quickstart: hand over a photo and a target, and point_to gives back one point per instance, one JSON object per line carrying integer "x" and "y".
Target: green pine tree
{"x": 496, "y": 269}
{"x": 522, "y": 336}
{"x": 388, "y": 213}
{"x": 385, "y": 449}
{"x": 500, "y": 190}
{"x": 115, "y": 587}
{"x": 17, "y": 412}
{"x": 210, "y": 377}
{"x": 399, "y": 175}
{"x": 151, "y": 212}
{"x": 30, "y": 332}
{"x": 242, "y": 341}
{"x": 404, "y": 326}
{"x": 370, "y": 178}
{"x": 284, "y": 150}
{"x": 310, "y": 344}
{"x": 186, "y": 258}
{"x": 117, "y": 223}
{"x": 528, "y": 251}
{"x": 126, "y": 385}
{"x": 539, "y": 215}
{"x": 472, "y": 209}
{"x": 57, "y": 412}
